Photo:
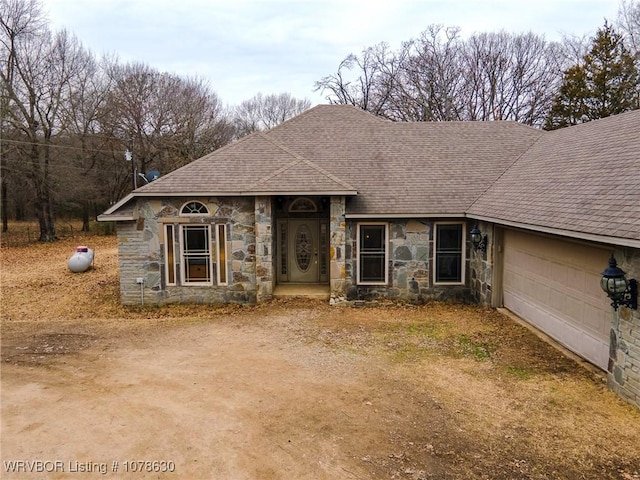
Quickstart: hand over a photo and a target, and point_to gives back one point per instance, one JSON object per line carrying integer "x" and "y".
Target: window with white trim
{"x": 449, "y": 254}
{"x": 372, "y": 253}
{"x": 192, "y": 258}
{"x": 194, "y": 208}
{"x": 195, "y": 247}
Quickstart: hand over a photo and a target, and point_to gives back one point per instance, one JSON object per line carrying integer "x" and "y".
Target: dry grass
{"x": 512, "y": 402}
{"x": 36, "y": 286}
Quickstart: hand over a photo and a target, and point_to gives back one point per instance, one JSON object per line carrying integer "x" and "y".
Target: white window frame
{"x": 194, "y": 214}
{"x": 183, "y": 263}
{"x": 386, "y": 252}
{"x": 219, "y": 261}
{"x": 463, "y": 255}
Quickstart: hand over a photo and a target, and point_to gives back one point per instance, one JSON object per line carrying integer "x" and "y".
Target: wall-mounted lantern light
{"x": 620, "y": 290}
{"x": 478, "y": 240}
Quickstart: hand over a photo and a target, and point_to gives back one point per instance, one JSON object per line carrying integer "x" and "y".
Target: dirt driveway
{"x": 288, "y": 390}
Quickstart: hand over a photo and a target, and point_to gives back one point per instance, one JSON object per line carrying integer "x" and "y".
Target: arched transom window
{"x": 194, "y": 208}
{"x": 303, "y": 205}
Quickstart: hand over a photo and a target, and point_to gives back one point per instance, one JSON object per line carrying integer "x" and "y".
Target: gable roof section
{"x": 583, "y": 179}
{"x": 252, "y": 166}
{"x": 405, "y": 169}
{"x": 301, "y": 177}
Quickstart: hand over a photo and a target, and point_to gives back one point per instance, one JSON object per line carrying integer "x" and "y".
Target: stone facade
{"x": 250, "y": 266}
{"x": 481, "y": 265}
{"x": 410, "y": 266}
{"x": 142, "y": 247}
{"x": 337, "y": 249}
{"x": 264, "y": 228}
{"x": 623, "y": 374}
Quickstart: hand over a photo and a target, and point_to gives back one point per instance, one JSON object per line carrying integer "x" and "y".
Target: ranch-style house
{"x": 361, "y": 208}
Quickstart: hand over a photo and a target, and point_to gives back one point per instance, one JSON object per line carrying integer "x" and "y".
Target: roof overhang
{"x": 112, "y": 215}
{"x": 404, "y": 215}
{"x": 591, "y": 237}
{"x": 251, "y": 193}
{"x": 115, "y": 218}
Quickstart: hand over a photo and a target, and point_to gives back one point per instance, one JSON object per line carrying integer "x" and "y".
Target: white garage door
{"x": 555, "y": 285}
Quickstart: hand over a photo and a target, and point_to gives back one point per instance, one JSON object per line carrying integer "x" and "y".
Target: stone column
{"x": 624, "y": 348}
{"x": 337, "y": 225}
{"x": 264, "y": 248}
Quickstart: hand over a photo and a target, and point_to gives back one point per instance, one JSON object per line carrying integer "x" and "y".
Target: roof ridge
{"x": 504, "y": 172}
{"x": 278, "y": 171}
{"x": 299, "y": 159}
{"x": 310, "y": 111}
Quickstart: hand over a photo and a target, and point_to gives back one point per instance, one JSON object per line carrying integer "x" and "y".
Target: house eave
{"x": 115, "y": 218}
{"x": 356, "y": 216}
{"x": 251, "y": 193}
{"x": 120, "y": 203}
{"x": 591, "y": 237}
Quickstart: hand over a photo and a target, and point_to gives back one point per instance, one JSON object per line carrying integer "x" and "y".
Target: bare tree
{"x": 84, "y": 161}
{"x": 430, "y": 79}
{"x": 629, "y": 25}
{"x": 367, "y": 81}
{"x": 263, "y": 112}
{"x": 510, "y": 77}
{"x": 37, "y": 68}
{"x": 439, "y": 76}
{"x": 165, "y": 120}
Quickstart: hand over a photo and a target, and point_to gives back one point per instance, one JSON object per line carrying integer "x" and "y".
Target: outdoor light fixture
{"x": 478, "y": 239}
{"x": 620, "y": 290}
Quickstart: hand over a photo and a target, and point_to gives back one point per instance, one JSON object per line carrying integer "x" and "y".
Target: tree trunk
{"x": 44, "y": 202}
{"x": 3, "y": 200}
{"x": 20, "y": 210}
{"x": 45, "y": 219}
{"x": 85, "y": 217}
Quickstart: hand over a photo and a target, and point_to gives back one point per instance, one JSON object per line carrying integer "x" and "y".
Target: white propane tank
{"x": 81, "y": 260}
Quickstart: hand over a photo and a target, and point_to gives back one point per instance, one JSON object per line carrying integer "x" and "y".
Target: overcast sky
{"x": 243, "y": 47}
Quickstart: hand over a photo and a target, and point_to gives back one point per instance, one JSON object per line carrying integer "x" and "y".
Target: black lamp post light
{"x": 621, "y": 291}
{"x": 478, "y": 240}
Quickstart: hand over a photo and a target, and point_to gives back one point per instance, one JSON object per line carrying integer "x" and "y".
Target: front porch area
{"x": 303, "y": 290}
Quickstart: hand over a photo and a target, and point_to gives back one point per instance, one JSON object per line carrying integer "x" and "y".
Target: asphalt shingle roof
{"x": 582, "y": 179}
{"x": 405, "y": 168}
{"x": 248, "y": 166}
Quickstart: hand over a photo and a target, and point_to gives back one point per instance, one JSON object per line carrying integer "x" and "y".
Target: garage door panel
{"x": 556, "y": 301}
{"x": 544, "y": 292}
{"x": 554, "y": 284}
{"x": 592, "y": 287}
{"x": 596, "y": 321}
{"x": 558, "y": 273}
{"x": 574, "y": 308}
{"x": 576, "y": 279}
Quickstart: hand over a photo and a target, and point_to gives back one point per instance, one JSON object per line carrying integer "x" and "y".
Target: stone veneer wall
{"x": 264, "y": 248}
{"x": 623, "y": 375}
{"x": 481, "y": 265}
{"x": 410, "y": 274}
{"x": 337, "y": 249}
{"x": 141, "y": 254}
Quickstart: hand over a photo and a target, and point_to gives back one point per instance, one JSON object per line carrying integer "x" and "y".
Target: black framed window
{"x": 449, "y": 253}
{"x": 372, "y": 253}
